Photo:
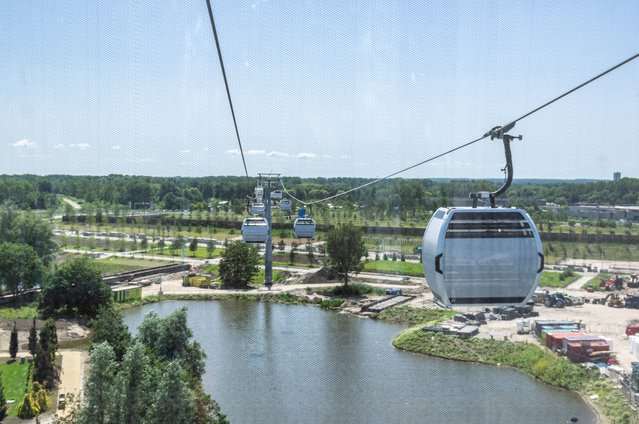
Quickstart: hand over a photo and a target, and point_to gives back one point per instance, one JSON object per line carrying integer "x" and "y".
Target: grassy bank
{"x": 395, "y": 267}
{"x": 558, "y": 279}
{"x": 414, "y": 316}
{"x": 14, "y": 378}
{"x": 540, "y": 363}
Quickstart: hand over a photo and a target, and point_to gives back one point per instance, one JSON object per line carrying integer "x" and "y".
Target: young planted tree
{"x": 33, "y": 338}
{"x": 193, "y": 246}
{"x": 210, "y": 247}
{"x": 49, "y": 337}
{"x": 13, "y": 343}
{"x": 238, "y": 265}
{"x": 345, "y": 248}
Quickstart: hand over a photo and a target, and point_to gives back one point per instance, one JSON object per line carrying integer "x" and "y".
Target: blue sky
{"x": 328, "y": 88}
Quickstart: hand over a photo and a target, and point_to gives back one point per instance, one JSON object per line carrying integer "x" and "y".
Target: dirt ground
{"x": 66, "y": 329}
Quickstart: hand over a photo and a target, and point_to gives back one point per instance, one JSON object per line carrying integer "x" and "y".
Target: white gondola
{"x": 482, "y": 256}
{"x": 255, "y": 230}
{"x": 276, "y": 194}
{"x": 285, "y": 205}
{"x": 259, "y": 194}
{"x": 304, "y": 228}
{"x": 258, "y": 208}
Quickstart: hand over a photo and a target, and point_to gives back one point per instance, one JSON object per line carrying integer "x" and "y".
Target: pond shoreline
{"x": 597, "y": 405}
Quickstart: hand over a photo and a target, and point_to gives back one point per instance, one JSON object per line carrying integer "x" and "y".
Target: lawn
{"x": 557, "y": 279}
{"x": 115, "y": 265}
{"x": 14, "y": 378}
{"x": 594, "y": 281}
{"x": 201, "y": 252}
{"x": 395, "y": 267}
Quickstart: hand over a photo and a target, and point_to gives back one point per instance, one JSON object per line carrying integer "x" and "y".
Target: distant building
{"x": 126, "y": 292}
{"x": 616, "y": 176}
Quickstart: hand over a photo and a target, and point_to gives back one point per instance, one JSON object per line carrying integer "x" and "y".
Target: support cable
{"x": 226, "y": 84}
{"x": 496, "y": 132}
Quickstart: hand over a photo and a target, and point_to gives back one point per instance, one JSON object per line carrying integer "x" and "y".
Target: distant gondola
{"x": 304, "y": 228}
{"x": 255, "y": 230}
{"x": 285, "y": 205}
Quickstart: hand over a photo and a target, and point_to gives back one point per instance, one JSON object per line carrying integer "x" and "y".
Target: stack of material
{"x": 542, "y": 324}
{"x": 578, "y": 339}
{"x": 547, "y": 331}
{"x": 588, "y": 351}
{"x": 555, "y": 340}
{"x": 632, "y": 329}
{"x": 634, "y": 346}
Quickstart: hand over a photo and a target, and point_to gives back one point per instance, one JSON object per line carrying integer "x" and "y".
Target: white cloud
{"x": 185, "y": 151}
{"x": 23, "y": 143}
{"x": 278, "y": 154}
{"x": 327, "y": 156}
{"x": 344, "y": 157}
{"x": 306, "y": 155}
{"x": 59, "y": 146}
{"x": 255, "y": 152}
{"x": 83, "y": 146}
{"x": 116, "y": 147}
{"x": 233, "y": 152}
{"x": 206, "y": 149}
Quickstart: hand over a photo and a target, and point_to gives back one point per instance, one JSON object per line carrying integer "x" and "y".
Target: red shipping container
{"x": 555, "y": 341}
{"x": 582, "y": 351}
{"x": 632, "y": 329}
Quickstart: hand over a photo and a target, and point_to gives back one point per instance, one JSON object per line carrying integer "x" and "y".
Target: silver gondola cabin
{"x": 482, "y": 256}
{"x": 255, "y": 230}
{"x": 304, "y": 228}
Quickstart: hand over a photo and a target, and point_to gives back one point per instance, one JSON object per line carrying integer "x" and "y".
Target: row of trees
{"x": 390, "y": 196}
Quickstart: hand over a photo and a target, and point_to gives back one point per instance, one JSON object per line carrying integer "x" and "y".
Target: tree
{"x": 45, "y": 371}
{"x": 144, "y": 244}
{"x": 293, "y": 252}
{"x": 174, "y": 403}
{"x": 169, "y": 339}
{"x": 238, "y": 265}
{"x": 99, "y": 393}
{"x": 309, "y": 253}
{"x": 76, "y": 288}
{"x": 49, "y": 338}
{"x": 108, "y": 327}
{"x": 210, "y": 247}
{"x": 161, "y": 245}
{"x": 3, "y": 401}
{"x": 193, "y": 246}
{"x": 33, "y": 338}
{"x": 13, "y": 343}
{"x": 177, "y": 244}
{"x": 345, "y": 248}
{"x": 20, "y": 267}
{"x": 133, "y": 386}
{"x": 281, "y": 245}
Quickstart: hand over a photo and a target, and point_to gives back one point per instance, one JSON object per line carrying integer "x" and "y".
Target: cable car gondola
{"x": 276, "y": 194}
{"x": 258, "y": 208}
{"x": 483, "y": 255}
{"x": 285, "y": 205}
{"x": 255, "y": 230}
{"x": 259, "y": 194}
{"x": 304, "y": 227}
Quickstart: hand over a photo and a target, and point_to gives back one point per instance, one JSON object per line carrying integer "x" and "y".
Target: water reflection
{"x": 271, "y": 363}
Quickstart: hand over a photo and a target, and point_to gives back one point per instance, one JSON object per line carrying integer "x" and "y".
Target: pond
{"x": 274, "y": 363}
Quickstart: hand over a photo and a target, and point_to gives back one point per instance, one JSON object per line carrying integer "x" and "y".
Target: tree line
{"x": 391, "y": 196}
